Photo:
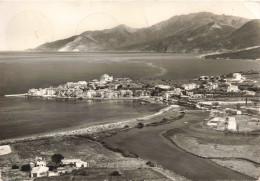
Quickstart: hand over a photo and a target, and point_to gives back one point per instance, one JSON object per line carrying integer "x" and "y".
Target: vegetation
{"x": 140, "y": 125}
{"x": 15, "y": 167}
{"x": 26, "y": 168}
{"x": 151, "y": 164}
{"x": 56, "y": 158}
{"x": 115, "y": 173}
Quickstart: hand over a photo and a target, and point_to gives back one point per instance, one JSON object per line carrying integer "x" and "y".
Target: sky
{"x": 27, "y": 24}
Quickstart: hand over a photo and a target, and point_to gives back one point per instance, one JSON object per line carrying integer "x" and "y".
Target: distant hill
{"x": 197, "y": 32}
{"x": 252, "y": 54}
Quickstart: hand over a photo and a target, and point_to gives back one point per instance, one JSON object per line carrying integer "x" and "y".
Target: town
{"x": 231, "y": 99}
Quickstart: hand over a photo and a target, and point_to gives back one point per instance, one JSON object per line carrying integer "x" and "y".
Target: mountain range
{"x": 196, "y": 32}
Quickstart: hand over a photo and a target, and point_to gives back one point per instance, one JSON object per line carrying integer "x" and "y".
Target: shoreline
{"x": 89, "y": 130}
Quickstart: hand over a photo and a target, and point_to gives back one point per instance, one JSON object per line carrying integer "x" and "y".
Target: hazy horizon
{"x": 29, "y": 24}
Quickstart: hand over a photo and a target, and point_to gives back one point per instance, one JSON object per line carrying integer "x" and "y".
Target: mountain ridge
{"x": 195, "y": 32}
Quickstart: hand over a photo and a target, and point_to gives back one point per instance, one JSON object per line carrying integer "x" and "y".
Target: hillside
{"x": 185, "y": 33}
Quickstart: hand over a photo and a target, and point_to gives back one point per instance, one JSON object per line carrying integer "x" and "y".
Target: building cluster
{"x": 39, "y": 167}
{"x": 221, "y": 83}
{"x": 108, "y": 87}
{"x": 105, "y": 87}
{"x": 238, "y": 116}
{"x": 244, "y": 118}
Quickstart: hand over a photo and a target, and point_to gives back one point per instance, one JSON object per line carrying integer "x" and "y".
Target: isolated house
{"x": 231, "y": 124}
{"x": 75, "y": 162}
{"x": 40, "y": 171}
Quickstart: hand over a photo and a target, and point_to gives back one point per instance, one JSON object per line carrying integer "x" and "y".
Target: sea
{"x": 20, "y": 71}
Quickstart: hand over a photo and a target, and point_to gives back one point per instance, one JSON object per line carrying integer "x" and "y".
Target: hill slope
{"x": 185, "y": 33}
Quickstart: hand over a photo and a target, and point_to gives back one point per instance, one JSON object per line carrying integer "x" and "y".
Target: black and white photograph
{"x": 95, "y": 90}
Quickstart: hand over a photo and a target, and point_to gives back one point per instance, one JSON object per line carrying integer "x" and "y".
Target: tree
{"x": 238, "y": 106}
{"x": 151, "y": 164}
{"x": 56, "y": 158}
{"x": 26, "y": 168}
{"x": 15, "y": 167}
{"x": 140, "y": 125}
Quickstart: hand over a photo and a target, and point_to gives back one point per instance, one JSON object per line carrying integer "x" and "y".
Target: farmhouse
{"x": 75, "y": 162}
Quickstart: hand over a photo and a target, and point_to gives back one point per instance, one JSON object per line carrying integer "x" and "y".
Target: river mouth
{"x": 149, "y": 144}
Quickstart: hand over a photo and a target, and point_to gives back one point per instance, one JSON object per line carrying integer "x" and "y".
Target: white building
{"x": 41, "y": 163}
{"x": 50, "y": 91}
{"x": 231, "y": 124}
{"x": 105, "y": 79}
{"x": 76, "y": 162}
{"x": 82, "y": 83}
{"x": 189, "y": 86}
{"x": 40, "y": 171}
{"x": 237, "y": 76}
{"x": 177, "y": 92}
{"x": 163, "y": 87}
{"x": 211, "y": 86}
{"x": 232, "y": 88}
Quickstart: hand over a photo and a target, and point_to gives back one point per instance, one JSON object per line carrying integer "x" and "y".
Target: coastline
{"x": 89, "y": 130}
{"x": 89, "y": 134}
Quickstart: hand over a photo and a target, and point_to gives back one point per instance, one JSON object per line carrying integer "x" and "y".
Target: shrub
{"x": 15, "y": 167}
{"x": 140, "y": 125}
{"x": 115, "y": 173}
{"x": 26, "y": 168}
{"x": 151, "y": 164}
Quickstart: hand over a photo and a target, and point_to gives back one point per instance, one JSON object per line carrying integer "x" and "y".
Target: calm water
{"x": 21, "y": 71}
{"x": 21, "y": 117}
{"x": 148, "y": 144}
